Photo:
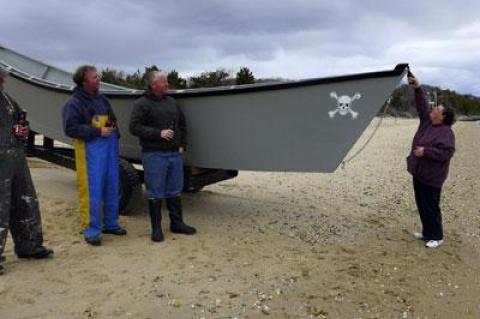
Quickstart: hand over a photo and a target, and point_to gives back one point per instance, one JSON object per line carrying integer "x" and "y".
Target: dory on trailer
{"x": 302, "y": 126}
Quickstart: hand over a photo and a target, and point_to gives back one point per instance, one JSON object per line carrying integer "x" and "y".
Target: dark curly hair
{"x": 448, "y": 114}
{"x": 81, "y": 73}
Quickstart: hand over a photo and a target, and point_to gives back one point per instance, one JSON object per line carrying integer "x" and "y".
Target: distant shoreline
{"x": 469, "y": 118}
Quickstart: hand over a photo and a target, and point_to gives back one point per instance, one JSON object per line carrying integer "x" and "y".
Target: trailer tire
{"x": 130, "y": 186}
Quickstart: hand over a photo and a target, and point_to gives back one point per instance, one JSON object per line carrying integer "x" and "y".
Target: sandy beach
{"x": 270, "y": 245}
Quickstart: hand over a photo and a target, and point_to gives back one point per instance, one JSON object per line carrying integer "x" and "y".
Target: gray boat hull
{"x": 303, "y": 126}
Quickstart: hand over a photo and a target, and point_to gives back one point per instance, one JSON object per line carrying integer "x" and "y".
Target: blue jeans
{"x": 163, "y": 174}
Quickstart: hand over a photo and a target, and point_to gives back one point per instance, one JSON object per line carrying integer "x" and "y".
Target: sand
{"x": 278, "y": 245}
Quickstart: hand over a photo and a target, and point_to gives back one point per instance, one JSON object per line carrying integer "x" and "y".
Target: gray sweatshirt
{"x": 151, "y": 115}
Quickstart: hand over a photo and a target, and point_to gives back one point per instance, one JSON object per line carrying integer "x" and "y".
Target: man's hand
{"x": 167, "y": 134}
{"x": 181, "y": 150}
{"x": 106, "y": 131}
{"x": 21, "y": 131}
{"x": 413, "y": 81}
{"x": 419, "y": 151}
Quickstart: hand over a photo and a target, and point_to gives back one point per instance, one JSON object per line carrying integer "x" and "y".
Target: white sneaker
{"x": 433, "y": 243}
{"x": 418, "y": 236}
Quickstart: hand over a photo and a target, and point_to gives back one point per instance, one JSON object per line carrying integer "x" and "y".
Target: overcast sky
{"x": 274, "y": 38}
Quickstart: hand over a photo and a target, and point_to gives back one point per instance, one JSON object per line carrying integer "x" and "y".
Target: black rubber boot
{"x": 155, "y": 208}
{"x": 177, "y": 225}
{"x": 2, "y": 259}
{"x": 39, "y": 253}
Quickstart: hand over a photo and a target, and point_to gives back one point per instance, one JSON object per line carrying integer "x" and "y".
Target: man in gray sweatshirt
{"x": 160, "y": 125}
{"x": 429, "y": 160}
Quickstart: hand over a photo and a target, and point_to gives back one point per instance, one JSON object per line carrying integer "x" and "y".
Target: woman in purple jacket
{"x": 432, "y": 148}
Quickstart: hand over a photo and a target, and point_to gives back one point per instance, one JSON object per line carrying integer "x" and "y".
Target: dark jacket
{"x": 150, "y": 116}
{"x": 439, "y": 143}
{"x": 79, "y": 110}
{"x": 9, "y": 111}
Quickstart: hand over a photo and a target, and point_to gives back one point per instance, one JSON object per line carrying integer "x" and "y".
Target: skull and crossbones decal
{"x": 344, "y": 104}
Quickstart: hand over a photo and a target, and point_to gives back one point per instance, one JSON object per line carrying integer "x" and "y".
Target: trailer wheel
{"x": 130, "y": 186}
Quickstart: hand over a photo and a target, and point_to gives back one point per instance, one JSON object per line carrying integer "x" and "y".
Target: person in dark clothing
{"x": 88, "y": 118}
{"x": 19, "y": 209}
{"x": 160, "y": 125}
{"x": 429, "y": 160}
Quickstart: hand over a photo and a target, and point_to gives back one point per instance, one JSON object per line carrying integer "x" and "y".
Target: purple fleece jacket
{"x": 439, "y": 144}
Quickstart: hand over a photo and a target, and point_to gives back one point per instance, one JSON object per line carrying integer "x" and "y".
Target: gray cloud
{"x": 293, "y": 39}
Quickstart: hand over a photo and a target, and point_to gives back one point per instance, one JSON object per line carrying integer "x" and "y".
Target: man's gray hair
{"x": 153, "y": 76}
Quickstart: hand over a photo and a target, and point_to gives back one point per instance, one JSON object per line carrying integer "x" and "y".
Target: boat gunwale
{"x": 223, "y": 90}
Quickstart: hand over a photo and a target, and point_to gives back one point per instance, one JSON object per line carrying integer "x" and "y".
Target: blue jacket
{"x": 78, "y": 112}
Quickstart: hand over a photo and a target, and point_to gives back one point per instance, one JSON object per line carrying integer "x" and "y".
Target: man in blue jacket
{"x": 89, "y": 119}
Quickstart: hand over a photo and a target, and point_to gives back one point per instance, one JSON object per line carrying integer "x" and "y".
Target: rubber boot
{"x": 2, "y": 259}
{"x": 40, "y": 252}
{"x": 155, "y": 208}
{"x": 177, "y": 225}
